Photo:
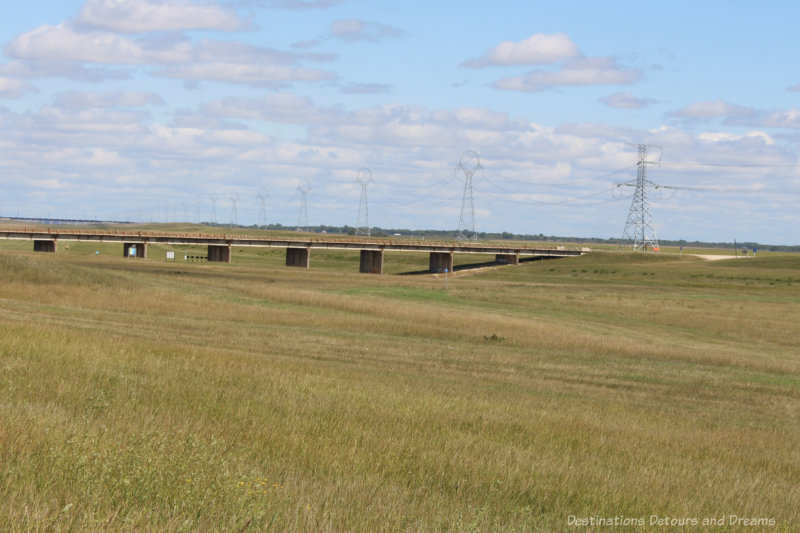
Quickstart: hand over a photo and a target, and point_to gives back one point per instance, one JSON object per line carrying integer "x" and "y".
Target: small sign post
{"x": 445, "y": 279}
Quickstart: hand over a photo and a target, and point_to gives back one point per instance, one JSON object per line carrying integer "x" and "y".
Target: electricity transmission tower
{"x": 302, "y": 221}
{"x": 234, "y": 217}
{"x": 213, "y": 199}
{"x": 364, "y": 178}
{"x": 639, "y": 230}
{"x": 469, "y": 163}
{"x": 263, "y": 195}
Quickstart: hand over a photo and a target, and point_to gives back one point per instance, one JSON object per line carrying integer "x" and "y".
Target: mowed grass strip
{"x": 150, "y": 396}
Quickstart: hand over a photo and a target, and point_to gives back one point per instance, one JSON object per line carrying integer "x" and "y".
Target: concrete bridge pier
{"x": 219, "y": 253}
{"x": 439, "y": 261}
{"x": 371, "y": 262}
{"x": 298, "y": 257}
{"x": 134, "y": 249}
{"x": 44, "y": 246}
{"x": 507, "y": 259}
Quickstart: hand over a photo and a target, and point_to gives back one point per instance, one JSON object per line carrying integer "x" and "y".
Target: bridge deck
{"x": 279, "y": 242}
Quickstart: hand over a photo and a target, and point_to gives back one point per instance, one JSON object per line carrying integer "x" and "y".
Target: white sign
{"x": 171, "y": 255}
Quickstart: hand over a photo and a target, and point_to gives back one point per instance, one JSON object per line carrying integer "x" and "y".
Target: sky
{"x": 225, "y": 111}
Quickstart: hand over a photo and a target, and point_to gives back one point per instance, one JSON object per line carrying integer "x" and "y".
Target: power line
{"x": 530, "y": 201}
{"x": 426, "y": 196}
{"x": 539, "y": 202}
{"x": 742, "y": 165}
{"x": 565, "y": 183}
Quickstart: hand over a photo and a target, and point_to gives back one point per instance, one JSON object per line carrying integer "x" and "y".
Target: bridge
{"x": 298, "y": 249}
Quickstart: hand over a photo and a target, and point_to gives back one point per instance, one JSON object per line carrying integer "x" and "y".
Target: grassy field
{"x": 145, "y": 395}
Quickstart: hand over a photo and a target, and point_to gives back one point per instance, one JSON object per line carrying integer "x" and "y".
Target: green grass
{"x": 149, "y": 395}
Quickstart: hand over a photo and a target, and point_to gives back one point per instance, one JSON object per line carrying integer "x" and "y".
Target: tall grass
{"x": 142, "y": 395}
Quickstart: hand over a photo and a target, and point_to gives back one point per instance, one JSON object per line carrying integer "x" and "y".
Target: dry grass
{"x": 154, "y": 396}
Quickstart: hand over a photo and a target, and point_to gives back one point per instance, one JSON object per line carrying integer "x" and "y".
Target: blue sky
{"x": 147, "y": 110}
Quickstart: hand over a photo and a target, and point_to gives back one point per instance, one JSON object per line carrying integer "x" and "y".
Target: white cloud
{"x": 537, "y": 49}
{"x": 64, "y": 43}
{"x": 232, "y": 52}
{"x": 737, "y": 115}
{"x": 782, "y": 119}
{"x": 585, "y": 71}
{"x": 353, "y": 30}
{"x": 87, "y": 100}
{"x": 103, "y": 121}
{"x": 236, "y": 137}
{"x": 549, "y": 49}
{"x": 50, "y": 49}
{"x": 279, "y": 107}
{"x": 358, "y": 30}
{"x": 718, "y": 137}
{"x": 259, "y": 75}
{"x": 296, "y": 4}
{"x": 475, "y": 117}
{"x": 139, "y": 16}
{"x": 626, "y": 101}
{"x": 365, "y": 88}
{"x": 14, "y": 88}
{"x": 97, "y": 157}
{"x": 61, "y": 69}
{"x": 713, "y": 109}
{"x": 591, "y": 130}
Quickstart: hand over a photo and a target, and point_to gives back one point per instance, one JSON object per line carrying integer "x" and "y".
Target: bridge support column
{"x": 507, "y": 259}
{"x": 219, "y": 253}
{"x": 440, "y": 261}
{"x": 298, "y": 257}
{"x": 134, "y": 249}
{"x": 371, "y": 262}
{"x": 44, "y": 246}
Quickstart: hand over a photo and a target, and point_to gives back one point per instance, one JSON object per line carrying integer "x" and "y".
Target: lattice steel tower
{"x": 469, "y": 163}
{"x": 234, "y": 214}
{"x": 362, "y": 220}
{"x": 639, "y": 230}
{"x": 213, "y": 216}
{"x": 302, "y": 220}
{"x": 263, "y": 195}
